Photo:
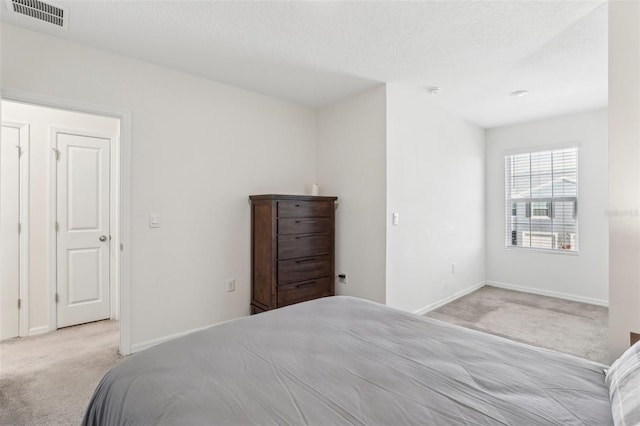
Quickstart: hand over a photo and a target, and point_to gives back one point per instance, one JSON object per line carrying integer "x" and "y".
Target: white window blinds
{"x": 541, "y": 200}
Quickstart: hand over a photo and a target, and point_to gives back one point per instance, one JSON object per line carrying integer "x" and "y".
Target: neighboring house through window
{"x": 541, "y": 196}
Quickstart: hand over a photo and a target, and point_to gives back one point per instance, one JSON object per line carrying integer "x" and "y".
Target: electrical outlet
{"x": 342, "y": 278}
{"x": 231, "y": 285}
{"x": 453, "y": 268}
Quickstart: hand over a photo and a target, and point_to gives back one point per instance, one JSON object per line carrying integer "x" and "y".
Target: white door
{"x": 9, "y": 236}
{"x": 83, "y": 238}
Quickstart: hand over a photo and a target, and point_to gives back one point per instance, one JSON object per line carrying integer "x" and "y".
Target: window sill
{"x": 541, "y": 250}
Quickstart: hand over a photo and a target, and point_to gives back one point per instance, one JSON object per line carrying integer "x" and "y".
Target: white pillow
{"x": 623, "y": 379}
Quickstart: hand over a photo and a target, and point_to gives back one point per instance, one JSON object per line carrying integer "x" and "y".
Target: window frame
{"x": 511, "y": 205}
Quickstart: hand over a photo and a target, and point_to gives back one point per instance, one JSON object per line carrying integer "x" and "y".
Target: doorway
{"x": 14, "y": 176}
{"x": 72, "y": 263}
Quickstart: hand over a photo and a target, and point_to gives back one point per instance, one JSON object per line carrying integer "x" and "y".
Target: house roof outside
{"x": 560, "y": 187}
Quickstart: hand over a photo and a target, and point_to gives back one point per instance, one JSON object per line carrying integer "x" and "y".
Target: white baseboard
{"x": 448, "y": 299}
{"x": 137, "y": 347}
{"x": 549, "y": 293}
{"x": 38, "y": 330}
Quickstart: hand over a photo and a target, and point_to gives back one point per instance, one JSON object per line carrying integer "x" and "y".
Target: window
{"x": 541, "y": 199}
{"x": 541, "y": 210}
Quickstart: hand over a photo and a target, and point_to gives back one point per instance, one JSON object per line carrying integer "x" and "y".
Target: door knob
{"x": 103, "y": 238}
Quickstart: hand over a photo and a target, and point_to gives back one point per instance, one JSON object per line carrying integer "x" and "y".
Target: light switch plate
{"x": 154, "y": 220}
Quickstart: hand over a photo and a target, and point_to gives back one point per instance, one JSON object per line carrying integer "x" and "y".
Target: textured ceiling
{"x": 315, "y": 53}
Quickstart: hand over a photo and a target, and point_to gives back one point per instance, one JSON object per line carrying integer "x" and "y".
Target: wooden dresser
{"x": 292, "y": 249}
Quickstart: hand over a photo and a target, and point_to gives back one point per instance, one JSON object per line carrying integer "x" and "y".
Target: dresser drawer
{"x": 303, "y": 226}
{"x": 293, "y": 246}
{"x": 302, "y": 269}
{"x": 307, "y": 290}
{"x": 305, "y": 209}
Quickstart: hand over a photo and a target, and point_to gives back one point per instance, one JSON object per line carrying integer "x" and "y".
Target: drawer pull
{"x": 305, "y": 284}
{"x": 306, "y": 221}
{"x": 308, "y": 237}
{"x": 305, "y": 261}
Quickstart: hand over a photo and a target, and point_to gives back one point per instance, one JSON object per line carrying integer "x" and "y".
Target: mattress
{"x": 341, "y": 360}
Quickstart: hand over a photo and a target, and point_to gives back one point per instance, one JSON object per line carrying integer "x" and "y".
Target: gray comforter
{"x": 341, "y": 360}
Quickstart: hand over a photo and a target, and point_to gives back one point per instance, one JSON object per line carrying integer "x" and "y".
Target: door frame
{"x": 23, "y": 217}
{"x": 122, "y": 215}
{"x": 114, "y": 261}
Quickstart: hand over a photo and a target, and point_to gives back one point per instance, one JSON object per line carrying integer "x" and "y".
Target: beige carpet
{"x": 575, "y": 328}
{"x": 49, "y": 379}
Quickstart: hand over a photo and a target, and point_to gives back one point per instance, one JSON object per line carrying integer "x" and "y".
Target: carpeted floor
{"x": 49, "y": 379}
{"x": 572, "y": 327}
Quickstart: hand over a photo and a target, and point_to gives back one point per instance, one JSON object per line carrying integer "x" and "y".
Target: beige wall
{"x": 435, "y": 182}
{"x": 40, "y": 121}
{"x": 352, "y": 165}
{"x": 583, "y": 277}
{"x": 198, "y": 148}
{"x": 624, "y": 173}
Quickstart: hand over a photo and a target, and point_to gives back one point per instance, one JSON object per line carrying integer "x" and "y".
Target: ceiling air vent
{"x": 41, "y": 11}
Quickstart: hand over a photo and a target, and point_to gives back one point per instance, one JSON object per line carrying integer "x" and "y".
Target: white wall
{"x": 624, "y": 170}
{"x": 40, "y": 121}
{"x": 435, "y": 181}
{"x": 583, "y": 277}
{"x": 199, "y": 148}
{"x": 351, "y": 161}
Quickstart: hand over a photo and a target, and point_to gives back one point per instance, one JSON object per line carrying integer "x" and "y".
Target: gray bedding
{"x": 342, "y": 360}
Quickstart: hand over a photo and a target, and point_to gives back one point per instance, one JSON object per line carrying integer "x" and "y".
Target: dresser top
{"x": 291, "y": 197}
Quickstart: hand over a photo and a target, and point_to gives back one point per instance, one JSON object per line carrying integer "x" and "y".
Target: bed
{"x": 341, "y": 360}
